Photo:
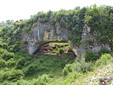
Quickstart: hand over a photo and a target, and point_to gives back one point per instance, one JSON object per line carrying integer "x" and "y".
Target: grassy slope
{"x": 52, "y": 66}
{"x": 93, "y": 77}
{"x": 43, "y": 65}
{"x": 49, "y": 64}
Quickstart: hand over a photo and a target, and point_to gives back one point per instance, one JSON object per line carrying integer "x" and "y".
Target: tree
{"x": 2, "y": 23}
{"x": 9, "y": 22}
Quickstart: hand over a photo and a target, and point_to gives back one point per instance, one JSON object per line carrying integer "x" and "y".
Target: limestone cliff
{"x": 45, "y": 33}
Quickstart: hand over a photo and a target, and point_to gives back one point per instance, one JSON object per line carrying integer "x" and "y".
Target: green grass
{"x": 50, "y": 69}
{"x": 22, "y": 69}
{"x": 63, "y": 44}
{"x": 49, "y": 64}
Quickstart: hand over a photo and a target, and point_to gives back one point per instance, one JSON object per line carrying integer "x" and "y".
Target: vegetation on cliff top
{"x": 18, "y": 68}
{"x": 99, "y": 19}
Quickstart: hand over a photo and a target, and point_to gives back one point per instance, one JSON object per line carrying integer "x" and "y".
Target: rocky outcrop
{"x": 105, "y": 80}
{"x": 45, "y": 33}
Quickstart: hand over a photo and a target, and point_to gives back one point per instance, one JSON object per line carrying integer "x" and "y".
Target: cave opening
{"x": 55, "y": 48}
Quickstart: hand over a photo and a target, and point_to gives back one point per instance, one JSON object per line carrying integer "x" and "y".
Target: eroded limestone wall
{"x": 44, "y": 33}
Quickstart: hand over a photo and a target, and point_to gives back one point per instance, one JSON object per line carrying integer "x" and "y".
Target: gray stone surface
{"x": 45, "y": 33}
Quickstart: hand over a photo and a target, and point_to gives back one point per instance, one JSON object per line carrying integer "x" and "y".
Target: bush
{"x": 70, "y": 48}
{"x": 2, "y": 63}
{"x": 60, "y": 51}
{"x": 83, "y": 66}
{"x": 67, "y": 69}
{"x": 31, "y": 69}
{"x": 104, "y": 59}
{"x": 6, "y": 55}
{"x": 42, "y": 80}
{"x": 23, "y": 82}
{"x": 5, "y": 83}
{"x": 103, "y": 50}
{"x": 90, "y": 56}
{"x": 1, "y": 75}
{"x": 77, "y": 74}
{"x": 13, "y": 75}
{"x": 2, "y": 50}
{"x": 34, "y": 25}
{"x": 20, "y": 63}
{"x": 3, "y": 45}
{"x": 11, "y": 63}
{"x": 73, "y": 76}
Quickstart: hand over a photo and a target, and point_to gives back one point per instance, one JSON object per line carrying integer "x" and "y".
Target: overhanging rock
{"x": 45, "y": 33}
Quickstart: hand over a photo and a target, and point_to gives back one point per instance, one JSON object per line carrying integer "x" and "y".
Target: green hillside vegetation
{"x": 98, "y": 18}
{"x": 17, "y": 67}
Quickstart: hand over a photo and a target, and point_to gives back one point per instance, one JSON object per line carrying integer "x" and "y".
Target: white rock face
{"x": 45, "y": 33}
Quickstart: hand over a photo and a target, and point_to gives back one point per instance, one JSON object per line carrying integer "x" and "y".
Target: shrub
{"x": 24, "y": 42}
{"x": 2, "y": 50}
{"x": 42, "y": 80}
{"x": 3, "y": 45}
{"x": 34, "y": 25}
{"x": 90, "y": 56}
{"x": 2, "y": 63}
{"x": 5, "y": 83}
{"x": 23, "y": 82}
{"x": 70, "y": 48}
{"x": 60, "y": 50}
{"x": 83, "y": 66}
{"x": 16, "y": 46}
{"x": 77, "y": 74}
{"x": 13, "y": 75}
{"x": 104, "y": 59}
{"x": 28, "y": 28}
{"x": 1, "y": 75}
{"x": 35, "y": 82}
{"x": 67, "y": 69}
{"x": 73, "y": 76}
{"x": 6, "y": 55}
{"x": 11, "y": 63}
{"x": 20, "y": 63}
{"x": 31, "y": 69}
{"x": 102, "y": 51}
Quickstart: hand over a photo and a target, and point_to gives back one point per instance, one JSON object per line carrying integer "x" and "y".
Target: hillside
{"x": 67, "y": 47}
{"x": 93, "y": 78}
{"x": 85, "y": 29}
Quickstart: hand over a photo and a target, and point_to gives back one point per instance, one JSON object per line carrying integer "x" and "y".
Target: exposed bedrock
{"x": 45, "y": 33}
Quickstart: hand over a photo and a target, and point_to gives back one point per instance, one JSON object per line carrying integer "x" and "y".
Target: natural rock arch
{"x": 44, "y": 33}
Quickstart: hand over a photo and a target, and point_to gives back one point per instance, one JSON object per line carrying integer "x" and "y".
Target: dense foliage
{"x": 15, "y": 66}
{"x": 100, "y": 19}
{"x": 19, "y": 68}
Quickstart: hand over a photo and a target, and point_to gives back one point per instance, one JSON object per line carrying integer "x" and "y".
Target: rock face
{"x": 45, "y": 33}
